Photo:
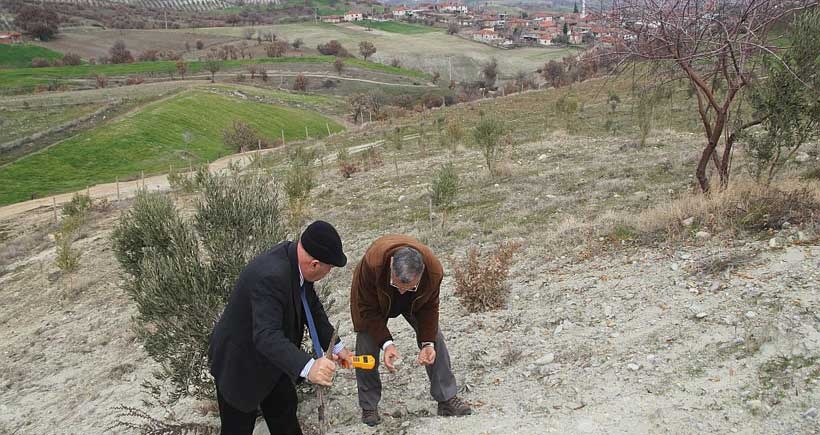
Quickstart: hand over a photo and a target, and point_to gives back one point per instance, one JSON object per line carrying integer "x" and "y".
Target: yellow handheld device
{"x": 366, "y": 362}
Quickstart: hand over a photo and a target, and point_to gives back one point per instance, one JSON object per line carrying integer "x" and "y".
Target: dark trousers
{"x": 442, "y": 381}
{"x": 279, "y": 409}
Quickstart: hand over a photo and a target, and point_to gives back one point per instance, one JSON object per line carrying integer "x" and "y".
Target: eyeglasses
{"x": 411, "y": 289}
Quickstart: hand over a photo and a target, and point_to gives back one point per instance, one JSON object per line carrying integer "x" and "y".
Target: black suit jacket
{"x": 257, "y": 339}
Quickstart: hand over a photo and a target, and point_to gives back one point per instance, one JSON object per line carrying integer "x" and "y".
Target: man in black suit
{"x": 254, "y": 353}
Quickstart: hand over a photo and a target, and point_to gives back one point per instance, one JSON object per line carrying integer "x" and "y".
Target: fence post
{"x": 118, "y": 188}
{"x": 306, "y": 133}
{"x": 283, "y": 137}
{"x": 142, "y": 177}
{"x": 54, "y": 208}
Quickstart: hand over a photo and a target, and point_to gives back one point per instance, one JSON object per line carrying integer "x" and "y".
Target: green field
{"x": 27, "y": 78}
{"x": 396, "y": 27}
{"x": 20, "y": 56}
{"x": 151, "y": 140}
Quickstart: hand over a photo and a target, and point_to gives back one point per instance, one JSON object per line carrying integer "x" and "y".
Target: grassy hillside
{"x": 396, "y": 27}
{"x": 151, "y": 140}
{"x": 25, "y": 78}
{"x": 20, "y": 56}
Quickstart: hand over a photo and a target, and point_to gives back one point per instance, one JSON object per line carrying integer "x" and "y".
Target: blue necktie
{"x": 317, "y": 348}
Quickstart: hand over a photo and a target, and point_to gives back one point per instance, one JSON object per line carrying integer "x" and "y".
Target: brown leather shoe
{"x": 371, "y": 417}
{"x": 453, "y": 408}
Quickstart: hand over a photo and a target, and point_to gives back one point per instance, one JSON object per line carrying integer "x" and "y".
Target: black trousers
{"x": 278, "y": 408}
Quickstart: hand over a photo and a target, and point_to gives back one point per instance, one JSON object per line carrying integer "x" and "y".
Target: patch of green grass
{"x": 20, "y": 55}
{"x": 181, "y": 130}
{"x": 386, "y": 68}
{"x": 25, "y": 78}
{"x": 397, "y": 27}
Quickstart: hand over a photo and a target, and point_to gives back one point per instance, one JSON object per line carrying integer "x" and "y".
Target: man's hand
{"x": 391, "y": 354}
{"x": 344, "y": 358}
{"x": 427, "y": 356}
{"x": 322, "y": 372}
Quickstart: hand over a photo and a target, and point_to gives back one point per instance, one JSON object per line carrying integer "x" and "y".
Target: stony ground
{"x": 712, "y": 335}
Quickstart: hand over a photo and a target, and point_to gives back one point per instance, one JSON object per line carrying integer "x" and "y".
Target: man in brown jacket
{"x": 400, "y": 276}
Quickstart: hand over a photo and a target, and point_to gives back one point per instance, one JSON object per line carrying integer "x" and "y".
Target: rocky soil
{"x": 713, "y": 334}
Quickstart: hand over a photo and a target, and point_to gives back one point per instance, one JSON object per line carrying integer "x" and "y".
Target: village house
{"x": 486, "y": 35}
{"x": 456, "y": 8}
{"x": 401, "y": 12}
{"x": 353, "y": 16}
{"x": 333, "y": 19}
{"x": 11, "y": 38}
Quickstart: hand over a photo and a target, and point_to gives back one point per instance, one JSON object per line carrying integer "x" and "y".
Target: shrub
{"x": 149, "y": 55}
{"x": 300, "y": 178}
{"x": 199, "y": 44}
{"x": 119, "y": 53}
{"x": 72, "y": 59}
{"x": 67, "y": 257}
{"x": 333, "y": 48}
{"x": 134, "y": 80}
{"x": 480, "y": 283}
{"x": 300, "y": 83}
{"x": 346, "y": 167}
{"x": 276, "y": 49}
{"x": 241, "y": 137}
{"x": 395, "y": 62}
{"x": 78, "y": 207}
{"x": 101, "y": 81}
{"x": 39, "y": 62}
{"x": 444, "y": 188}
{"x": 180, "y": 272}
{"x": 486, "y": 136}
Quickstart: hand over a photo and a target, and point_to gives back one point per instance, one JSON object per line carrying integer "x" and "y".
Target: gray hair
{"x": 407, "y": 264}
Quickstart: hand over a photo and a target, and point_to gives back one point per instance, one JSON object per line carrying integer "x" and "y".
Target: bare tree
{"x": 714, "y": 46}
{"x": 119, "y": 53}
{"x": 182, "y": 68}
{"x": 366, "y": 49}
{"x": 213, "y": 65}
{"x": 339, "y": 65}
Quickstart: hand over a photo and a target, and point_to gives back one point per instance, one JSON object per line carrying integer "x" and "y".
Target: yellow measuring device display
{"x": 366, "y": 362}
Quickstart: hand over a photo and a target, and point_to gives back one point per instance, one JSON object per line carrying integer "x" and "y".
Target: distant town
{"x": 500, "y": 29}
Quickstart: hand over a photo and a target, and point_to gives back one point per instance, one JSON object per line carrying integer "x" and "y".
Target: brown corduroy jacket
{"x": 370, "y": 293}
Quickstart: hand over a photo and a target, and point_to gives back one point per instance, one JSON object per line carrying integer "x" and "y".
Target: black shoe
{"x": 453, "y": 408}
{"x": 371, "y": 417}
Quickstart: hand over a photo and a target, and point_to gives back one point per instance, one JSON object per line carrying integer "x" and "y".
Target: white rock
{"x": 688, "y": 222}
{"x": 674, "y": 266}
{"x": 773, "y": 243}
{"x": 634, "y": 367}
{"x": 810, "y": 413}
{"x": 546, "y": 359}
{"x": 542, "y": 157}
{"x": 401, "y": 198}
{"x": 802, "y": 157}
{"x": 701, "y": 315}
{"x": 750, "y": 314}
{"x": 703, "y": 235}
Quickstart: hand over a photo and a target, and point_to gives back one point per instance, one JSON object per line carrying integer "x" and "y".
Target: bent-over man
{"x": 399, "y": 275}
{"x": 254, "y": 353}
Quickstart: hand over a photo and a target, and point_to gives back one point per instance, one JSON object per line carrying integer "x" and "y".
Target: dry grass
{"x": 744, "y": 206}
